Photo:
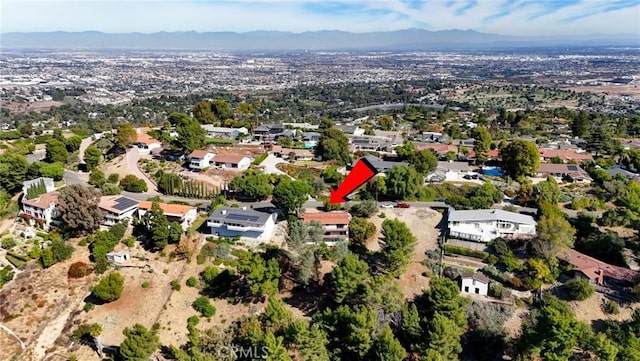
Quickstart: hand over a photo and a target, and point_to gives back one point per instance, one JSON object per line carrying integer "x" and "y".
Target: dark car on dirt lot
{"x": 402, "y": 205}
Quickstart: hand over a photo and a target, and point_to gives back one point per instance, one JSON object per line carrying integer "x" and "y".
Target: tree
{"x": 397, "y": 246}
{"x": 254, "y": 186}
{"x": 444, "y": 337}
{"x": 73, "y": 143}
{"x": 13, "y": 171}
{"x": 78, "y": 207}
{"x": 191, "y": 135}
{"x": 57, "y": 251}
{"x": 296, "y": 234}
{"x": 275, "y": 350}
{"x": 410, "y": 328}
{"x": 443, "y": 297}
{"x": 139, "y": 343}
{"x": 202, "y": 112}
{"x": 387, "y": 348}
{"x": 263, "y": 277}
{"x": 348, "y": 279}
{"x": 424, "y": 161}
{"x": 386, "y": 122}
{"x": 221, "y": 109}
{"x": 579, "y": 289}
{"x": 406, "y": 150}
{"x": 56, "y": 151}
{"x": 402, "y": 182}
{"x": 126, "y": 136}
{"x": 52, "y": 170}
{"x": 554, "y": 233}
{"x": 360, "y": 230}
{"x": 131, "y": 183}
{"x": 202, "y": 305}
{"x": 311, "y": 342}
{"x": 92, "y": 157}
{"x": 291, "y": 195}
{"x": 334, "y": 145}
{"x": 161, "y": 230}
{"x": 96, "y": 178}
{"x": 553, "y": 332}
{"x": 481, "y": 144}
{"x": 364, "y": 209}
{"x": 109, "y": 288}
{"x": 537, "y": 272}
{"x": 521, "y": 158}
{"x": 547, "y": 191}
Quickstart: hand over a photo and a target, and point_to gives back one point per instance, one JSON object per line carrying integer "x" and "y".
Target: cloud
{"x": 517, "y": 17}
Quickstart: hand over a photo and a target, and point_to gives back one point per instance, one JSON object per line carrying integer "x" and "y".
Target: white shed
{"x": 474, "y": 283}
{"x": 118, "y": 257}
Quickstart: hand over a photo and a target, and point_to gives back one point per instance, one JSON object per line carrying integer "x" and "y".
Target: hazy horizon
{"x": 505, "y": 17}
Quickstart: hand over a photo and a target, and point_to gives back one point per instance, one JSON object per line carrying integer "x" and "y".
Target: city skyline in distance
{"x": 506, "y": 17}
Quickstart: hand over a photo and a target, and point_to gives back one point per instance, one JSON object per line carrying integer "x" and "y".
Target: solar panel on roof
{"x": 572, "y": 168}
{"x": 242, "y": 217}
{"x": 124, "y": 203}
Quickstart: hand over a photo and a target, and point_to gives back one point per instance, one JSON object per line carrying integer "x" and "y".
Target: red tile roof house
{"x": 185, "y": 215}
{"x": 232, "y": 161}
{"x": 566, "y": 155}
{"x": 598, "y": 272}
{"x": 42, "y": 207}
{"x": 336, "y": 223}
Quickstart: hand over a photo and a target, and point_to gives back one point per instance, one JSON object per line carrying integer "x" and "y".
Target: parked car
{"x": 386, "y": 205}
{"x": 402, "y": 205}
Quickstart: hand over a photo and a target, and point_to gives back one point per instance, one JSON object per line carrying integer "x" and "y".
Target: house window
{"x": 466, "y": 289}
{"x": 477, "y": 225}
{"x": 477, "y": 291}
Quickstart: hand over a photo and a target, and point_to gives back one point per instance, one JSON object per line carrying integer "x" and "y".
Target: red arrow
{"x": 361, "y": 172}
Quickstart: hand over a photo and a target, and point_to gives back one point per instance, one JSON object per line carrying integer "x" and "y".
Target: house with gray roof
{"x": 382, "y": 166}
{"x": 242, "y": 222}
{"x": 353, "y": 130}
{"x": 484, "y": 225}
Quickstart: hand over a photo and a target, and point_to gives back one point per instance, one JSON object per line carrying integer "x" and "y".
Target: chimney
{"x": 224, "y": 211}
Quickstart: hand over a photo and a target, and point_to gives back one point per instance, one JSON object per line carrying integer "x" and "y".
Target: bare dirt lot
{"x": 423, "y": 224}
{"x": 27, "y": 107}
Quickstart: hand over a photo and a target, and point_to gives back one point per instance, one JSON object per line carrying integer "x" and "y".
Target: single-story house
{"x": 200, "y": 159}
{"x": 117, "y": 208}
{"x": 452, "y": 171}
{"x": 272, "y": 131}
{"x": 617, "y": 170}
{"x": 145, "y": 143}
{"x": 382, "y": 166}
{"x": 118, "y": 257}
{"x": 298, "y": 154}
{"x": 370, "y": 142}
{"x": 224, "y": 132}
{"x": 42, "y": 207}
{"x": 564, "y": 171}
{"x": 566, "y": 155}
{"x": 474, "y": 283}
{"x": 232, "y": 161}
{"x": 598, "y": 272}
{"x": 484, "y": 225}
{"x": 183, "y": 214}
{"x": 168, "y": 154}
{"x": 242, "y": 222}
{"x": 353, "y": 130}
{"x": 336, "y": 223}
{"x": 440, "y": 149}
{"x": 432, "y": 137}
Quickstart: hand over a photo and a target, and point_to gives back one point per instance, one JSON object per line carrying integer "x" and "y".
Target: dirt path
{"x": 86, "y": 142}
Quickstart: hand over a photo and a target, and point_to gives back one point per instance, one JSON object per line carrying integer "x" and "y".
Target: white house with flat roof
{"x": 242, "y": 222}
{"x": 483, "y": 225}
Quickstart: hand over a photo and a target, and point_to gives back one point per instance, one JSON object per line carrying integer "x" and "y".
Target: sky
{"x": 511, "y": 17}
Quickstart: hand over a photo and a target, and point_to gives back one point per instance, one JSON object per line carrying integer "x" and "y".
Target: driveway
{"x": 133, "y": 155}
{"x": 86, "y": 142}
{"x": 269, "y": 165}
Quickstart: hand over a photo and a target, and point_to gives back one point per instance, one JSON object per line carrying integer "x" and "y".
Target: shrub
{"x": 129, "y": 241}
{"x": 192, "y": 281}
{"x": 145, "y": 284}
{"x": 109, "y": 288}
{"x": 175, "y": 285}
{"x": 8, "y": 243}
{"x": 612, "y": 307}
{"x": 578, "y": 289}
{"x": 131, "y": 183}
{"x": 516, "y": 282}
{"x": 202, "y": 305}
{"x": 79, "y": 270}
{"x": 495, "y": 289}
{"x": 451, "y": 249}
{"x": 113, "y": 178}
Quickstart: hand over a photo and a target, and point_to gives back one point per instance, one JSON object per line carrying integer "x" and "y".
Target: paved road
{"x": 71, "y": 178}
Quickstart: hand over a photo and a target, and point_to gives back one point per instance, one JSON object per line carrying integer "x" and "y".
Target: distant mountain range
{"x": 410, "y": 39}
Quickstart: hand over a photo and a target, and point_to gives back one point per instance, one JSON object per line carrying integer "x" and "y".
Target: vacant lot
{"x": 423, "y": 224}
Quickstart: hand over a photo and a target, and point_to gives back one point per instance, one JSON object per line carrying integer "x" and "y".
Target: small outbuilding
{"x": 118, "y": 257}
{"x": 474, "y": 283}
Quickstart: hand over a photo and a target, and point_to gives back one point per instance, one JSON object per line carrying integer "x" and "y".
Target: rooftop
{"x": 326, "y": 218}
{"x": 199, "y": 153}
{"x": 43, "y": 200}
{"x": 229, "y": 158}
{"x": 476, "y": 276}
{"x": 588, "y": 265}
{"x": 168, "y": 209}
{"x": 239, "y": 216}
{"x": 117, "y": 204}
{"x": 489, "y": 215}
